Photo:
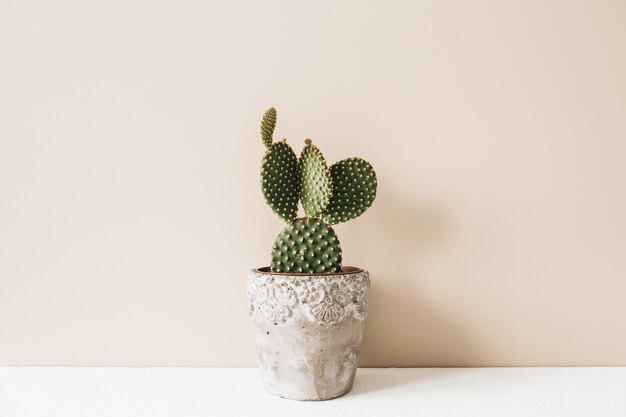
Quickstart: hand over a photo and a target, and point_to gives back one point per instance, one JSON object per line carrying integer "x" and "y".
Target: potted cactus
{"x": 307, "y": 309}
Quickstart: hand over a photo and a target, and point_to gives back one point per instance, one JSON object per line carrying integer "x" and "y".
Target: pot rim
{"x": 345, "y": 270}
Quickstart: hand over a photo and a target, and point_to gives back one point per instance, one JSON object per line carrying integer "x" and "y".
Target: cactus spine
{"x": 309, "y": 245}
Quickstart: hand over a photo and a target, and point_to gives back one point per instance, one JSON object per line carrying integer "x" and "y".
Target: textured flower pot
{"x": 308, "y": 330}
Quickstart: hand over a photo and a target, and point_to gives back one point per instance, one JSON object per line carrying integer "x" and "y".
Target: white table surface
{"x": 220, "y": 392}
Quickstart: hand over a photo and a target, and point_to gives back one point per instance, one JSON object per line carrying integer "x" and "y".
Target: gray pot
{"x": 308, "y": 330}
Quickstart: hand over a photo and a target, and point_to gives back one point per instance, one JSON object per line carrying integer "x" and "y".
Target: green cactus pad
{"x": 354, "y": 190}
{"x": 268, "y": 123}
{"x": 280, "y": 180}
{"x": 315, "y": 181}
{"x": 306, "y": 246}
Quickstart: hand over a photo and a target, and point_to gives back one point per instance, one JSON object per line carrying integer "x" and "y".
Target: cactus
{"x": 354, "y": 190}
{"x": 315, "y": 182}
{"x": 280, "y": 180}
{"x": 306, "y": 245}
{"x": 268, "y": 123}
{"x": 309, "y": 245}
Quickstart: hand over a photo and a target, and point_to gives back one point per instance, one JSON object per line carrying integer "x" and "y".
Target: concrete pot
{"x": 308, "y": 330}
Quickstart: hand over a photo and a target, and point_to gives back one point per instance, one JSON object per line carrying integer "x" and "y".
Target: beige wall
{"x": 130, "y": 209}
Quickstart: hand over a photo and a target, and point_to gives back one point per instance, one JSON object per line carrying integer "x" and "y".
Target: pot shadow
{"x": 404, "y": 328}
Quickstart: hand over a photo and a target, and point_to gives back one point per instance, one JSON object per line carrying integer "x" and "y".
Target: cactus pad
{"x": 280, "y": 180}
{"x": 315, "y": 181}
{"x": 354, "y": 190}
{"x": 268, "y": 123}
{"x": 306, "y": 246}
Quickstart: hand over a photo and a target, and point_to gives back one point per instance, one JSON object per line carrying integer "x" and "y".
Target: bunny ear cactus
{"x": 354, "y": 190}
{"x": 268, "y": 123}
{"x": 279, "y": 172}
{"x": 309, "y": 245}
{"x": 315, "y": 182}
{"x": 306, "y": 245}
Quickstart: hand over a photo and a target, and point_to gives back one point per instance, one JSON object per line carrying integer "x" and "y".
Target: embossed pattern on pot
{"x": 326, "y": 299}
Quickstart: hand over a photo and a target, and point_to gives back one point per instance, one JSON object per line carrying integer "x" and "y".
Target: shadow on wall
{"x": 404, "y": 328}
